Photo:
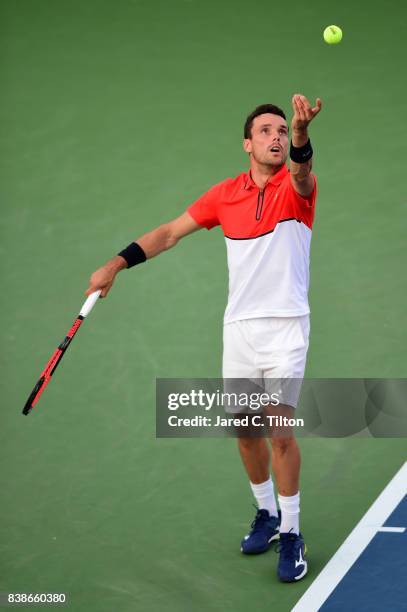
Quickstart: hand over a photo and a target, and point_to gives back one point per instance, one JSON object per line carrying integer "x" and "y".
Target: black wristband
{"x": 133, "y": 254}
{"x": 300, "y": 155}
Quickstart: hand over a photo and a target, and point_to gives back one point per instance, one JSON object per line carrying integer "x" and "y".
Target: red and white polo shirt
{"x": 268, "y": 237}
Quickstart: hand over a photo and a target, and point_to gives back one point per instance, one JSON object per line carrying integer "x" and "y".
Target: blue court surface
{"x": 369, "y": 570}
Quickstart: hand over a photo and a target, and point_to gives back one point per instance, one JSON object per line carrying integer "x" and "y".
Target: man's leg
{"x": 284, "y": 370}
{"x": 239, "y": 368}
{"x": 286, "y": 462}
{"x": 255, "y": 454}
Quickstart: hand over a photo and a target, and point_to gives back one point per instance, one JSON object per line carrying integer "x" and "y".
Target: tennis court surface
{"x": 115, "y": 117}
{"x": 368, "y": 571}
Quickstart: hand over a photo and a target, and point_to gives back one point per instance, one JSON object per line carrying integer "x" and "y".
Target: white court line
{"x": 354, "y": 544}
{"x": 392, "y": 529}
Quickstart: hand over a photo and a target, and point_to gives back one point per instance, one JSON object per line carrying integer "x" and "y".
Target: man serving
{"x": 266, "y": 215}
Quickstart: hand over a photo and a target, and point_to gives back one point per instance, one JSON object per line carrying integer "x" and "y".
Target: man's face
{"x": 269, "y": 142}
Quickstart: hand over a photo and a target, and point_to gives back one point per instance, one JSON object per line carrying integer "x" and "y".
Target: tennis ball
{"x": 332, "y": 35}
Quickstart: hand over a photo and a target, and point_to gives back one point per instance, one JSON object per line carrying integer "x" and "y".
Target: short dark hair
{"x": 261, "y": 110}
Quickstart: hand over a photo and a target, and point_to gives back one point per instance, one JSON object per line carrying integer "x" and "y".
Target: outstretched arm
{"x": 158, "y": 240}
{"x": 300, "y": 173}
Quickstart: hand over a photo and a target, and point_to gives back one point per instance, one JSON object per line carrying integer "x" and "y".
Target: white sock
{"x": 264, "y": 494}
{"x": 290, "y": 513}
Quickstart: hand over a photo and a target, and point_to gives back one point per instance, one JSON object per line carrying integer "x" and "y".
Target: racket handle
{"x": 89, "y": 304}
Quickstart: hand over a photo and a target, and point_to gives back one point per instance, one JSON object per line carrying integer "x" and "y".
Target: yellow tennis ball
{"x": 332, "y": 35}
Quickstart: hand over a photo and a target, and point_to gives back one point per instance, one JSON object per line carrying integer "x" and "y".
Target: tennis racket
{"x": 59, "y": 353}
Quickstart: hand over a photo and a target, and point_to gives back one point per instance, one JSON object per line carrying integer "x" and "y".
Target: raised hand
{"x": 303, "y": 112}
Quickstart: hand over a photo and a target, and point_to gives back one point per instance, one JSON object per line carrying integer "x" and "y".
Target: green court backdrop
{"x": 115, "y": 116}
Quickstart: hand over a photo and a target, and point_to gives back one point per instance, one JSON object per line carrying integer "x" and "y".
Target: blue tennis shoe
{"x": 291, "y": 566}
{"x": 264, "y": 530}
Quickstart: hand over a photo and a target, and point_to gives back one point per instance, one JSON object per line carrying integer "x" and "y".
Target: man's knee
{"x": 283, "y": 445}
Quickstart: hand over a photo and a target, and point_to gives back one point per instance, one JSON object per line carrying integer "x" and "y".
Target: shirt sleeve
{"x": 310, "y": 200}
{"x": 205, "y": 209}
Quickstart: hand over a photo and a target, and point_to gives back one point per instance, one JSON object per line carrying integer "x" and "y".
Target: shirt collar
{"x": 276, "y": 179}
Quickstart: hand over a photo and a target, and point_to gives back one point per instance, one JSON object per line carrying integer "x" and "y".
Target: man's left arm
{"x": 301, "y": 151}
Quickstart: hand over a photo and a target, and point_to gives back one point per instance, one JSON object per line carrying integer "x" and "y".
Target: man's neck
{"x": 262, "y": 173}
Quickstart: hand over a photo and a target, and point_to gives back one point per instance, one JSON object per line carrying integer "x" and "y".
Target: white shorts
{"x": 266, "y": 348}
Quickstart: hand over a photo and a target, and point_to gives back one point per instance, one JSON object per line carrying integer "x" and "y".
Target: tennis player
{"x": 266, "y": 215}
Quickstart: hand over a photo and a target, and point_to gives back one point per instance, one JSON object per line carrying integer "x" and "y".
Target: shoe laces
{"x": 286, "y": 545}
{"x": 259, "y": 520}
